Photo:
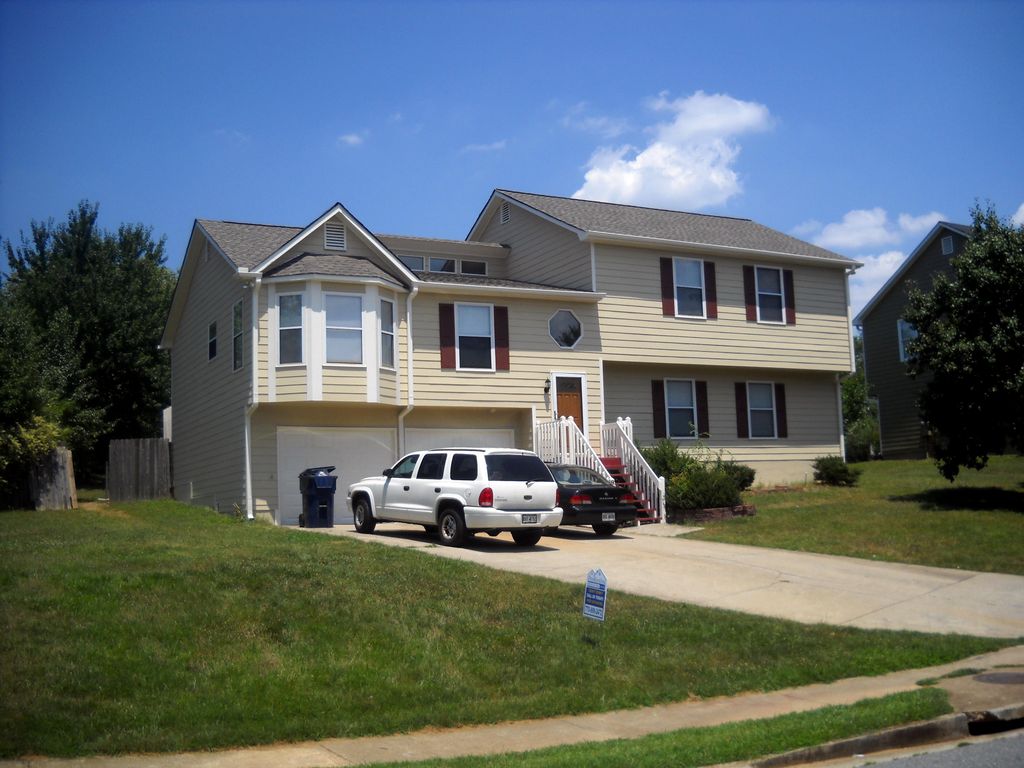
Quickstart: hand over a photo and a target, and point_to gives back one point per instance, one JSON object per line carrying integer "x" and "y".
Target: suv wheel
{"x": 452, "y": 528}
{"x": 526, "y": 537}
{"x": 605, "y": 529}
{"x": 362, "y": 517}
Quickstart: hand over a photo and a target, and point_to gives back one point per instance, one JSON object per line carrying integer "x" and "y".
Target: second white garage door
{"x": 357, "y": 453}
{"x": 423, "y": 439}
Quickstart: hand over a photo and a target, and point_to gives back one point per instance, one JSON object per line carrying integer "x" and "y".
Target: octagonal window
{"x": 565, "y": 329}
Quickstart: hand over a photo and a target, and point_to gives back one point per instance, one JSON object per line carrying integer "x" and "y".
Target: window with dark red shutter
{"x": 781, "y": 428}
{"x": 787, "y": 281}
{"x": 750, "y": 293}
{"x": 501, "y": 355}
{"x": 703, "y": 427}
{"x": 742, "y": 426}
{"x": 658, "y": 406}
{"x": 710, "y": 290}
{"x": 446, "y": 320}
{"x": 668, "y": 289}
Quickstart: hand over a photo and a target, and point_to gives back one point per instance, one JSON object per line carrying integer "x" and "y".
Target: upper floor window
{"x": 905, "y": 333}
{"x": 681, "y": 408}
{"x": 770, "y": 301}
{"x": 414, "y": 263}
{"x": 289, "y": 328}
{"x": 473, "y": 267}
{"x": 689, "y": 287}
{"x": 211, "y": 344}
{"x": 334, "y": 236}
{"x": 947, "y": 245}
{"x": 387, "y": 333}
{"x": 236, "y": 336}
{"x": 344, "y": 328}
{"x": 565, "y": 329}
{"x": 474, "y": 335}
{"x": 441, "y": 264}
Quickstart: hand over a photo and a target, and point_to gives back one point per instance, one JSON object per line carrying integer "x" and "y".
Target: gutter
{"x": 409, "y": 370}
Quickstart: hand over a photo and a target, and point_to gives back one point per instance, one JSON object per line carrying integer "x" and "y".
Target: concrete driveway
{"x": 770, "y": 582}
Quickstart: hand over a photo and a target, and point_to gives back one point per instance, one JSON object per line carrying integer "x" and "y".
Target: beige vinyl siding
{"x": 344, "y": 383}
{"x": 388, "y": 386}
{"x": 541, "y": 251}
{"x": 263, "y": 347}
{"x": 633, "y": 327}
{"x": 269, "y": 416}
{"x": 209, "y": 398}
{"x": 903, "y": 435}
{"x": 812, "y": 414}
{"x": 533, "y": 356}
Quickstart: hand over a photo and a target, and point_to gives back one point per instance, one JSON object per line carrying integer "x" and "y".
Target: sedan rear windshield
{"x": 516, "y": 467}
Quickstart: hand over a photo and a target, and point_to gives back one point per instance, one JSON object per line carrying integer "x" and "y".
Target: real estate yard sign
{"x": 595, "y": 595}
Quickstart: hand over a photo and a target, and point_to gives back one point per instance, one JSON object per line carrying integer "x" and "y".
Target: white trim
{"x": 555, "y": 294}
{"x": 273, "y": 340}
{"x": 781, "y": 295}
{"x": 585, "y": 406}
{"x": 703, "y": 289}
{"x": 325, "y": 278}
{"x": 612, "y": 237}
{"x": 494, "y": 339}
{"x": 394, "y": 333}
{"x": 696, "y": 410}
{"x": 593, "y": 267}
{"x": 314, "y": 353}
{"x": 849, "y": 324}
{"x": 775, "y": 413}
{"x": 600, "y": 376}
{"x": 249, "y": 513}
{"x": 254, "y": 342}
{"x": 371, "y": 359}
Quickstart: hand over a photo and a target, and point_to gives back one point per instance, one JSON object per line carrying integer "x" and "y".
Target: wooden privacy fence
{"x": 139, "y": 469}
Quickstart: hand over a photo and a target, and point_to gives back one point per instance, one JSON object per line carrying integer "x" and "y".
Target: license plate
{"x": 530, "y": 519}
{"x": 607, "y": 517}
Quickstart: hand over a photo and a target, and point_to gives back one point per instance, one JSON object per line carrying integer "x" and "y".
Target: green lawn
{"x": 159, "y": 627}
{"x": 901, "y": 511}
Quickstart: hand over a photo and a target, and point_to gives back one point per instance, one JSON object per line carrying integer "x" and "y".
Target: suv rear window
{"x": 516, "y": 467}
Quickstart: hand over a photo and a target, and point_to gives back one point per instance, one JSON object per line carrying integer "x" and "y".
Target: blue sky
{"x": 855, "y": 125}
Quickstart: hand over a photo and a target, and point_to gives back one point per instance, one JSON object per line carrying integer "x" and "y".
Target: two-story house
{"x": 886, "y": 333}
{"x": 329, "y": 344}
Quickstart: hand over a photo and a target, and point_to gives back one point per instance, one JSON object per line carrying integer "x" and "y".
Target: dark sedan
{"x": 586, "y": 498}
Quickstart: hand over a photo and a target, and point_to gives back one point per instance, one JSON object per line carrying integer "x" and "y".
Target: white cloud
{"x": 689, "y": 160}
{"x": 868, "y": 279}
{"x": 494, "y": 146}
{"x": 352, "y": 139}
{"x": 1018, "y": 217}
{"x": 607, "y": 127}
{"x": 869, "y": 228}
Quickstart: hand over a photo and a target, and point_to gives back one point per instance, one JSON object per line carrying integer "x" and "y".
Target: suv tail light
{"x": 487, "y": 497}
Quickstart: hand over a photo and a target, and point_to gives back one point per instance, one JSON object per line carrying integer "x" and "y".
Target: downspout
{"x": 409, "y": 374}
{"x": 254, "y": 393}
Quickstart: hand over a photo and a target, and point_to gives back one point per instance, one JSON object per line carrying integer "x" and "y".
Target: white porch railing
{"x": 560, "y": 440}
{"x": 617, "y": 440}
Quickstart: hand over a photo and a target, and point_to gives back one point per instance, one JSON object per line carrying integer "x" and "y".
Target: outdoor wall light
{"x": 547, "y": 386}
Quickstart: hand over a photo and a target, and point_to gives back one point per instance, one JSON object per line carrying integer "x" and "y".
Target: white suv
{"x": 458, "y": 491}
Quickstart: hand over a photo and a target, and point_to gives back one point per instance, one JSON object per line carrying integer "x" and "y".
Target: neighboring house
{"x": 328, "y": 344}
{"x": 886, "y": 334}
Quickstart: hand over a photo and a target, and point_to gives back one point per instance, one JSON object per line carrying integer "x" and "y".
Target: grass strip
{"x": 733, "y": 742}
{"x": 900, "y": 511}
{"x": 161, "y": 627}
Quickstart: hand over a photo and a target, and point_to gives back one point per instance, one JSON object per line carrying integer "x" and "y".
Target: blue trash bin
{"x": 317, "y": 485}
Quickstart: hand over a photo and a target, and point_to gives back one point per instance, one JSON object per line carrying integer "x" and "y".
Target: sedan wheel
{"x": 605, "y": 529}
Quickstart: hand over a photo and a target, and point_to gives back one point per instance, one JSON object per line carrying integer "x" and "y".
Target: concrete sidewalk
{"x": 651, "y": 560}
{"x": 966, "y": 693}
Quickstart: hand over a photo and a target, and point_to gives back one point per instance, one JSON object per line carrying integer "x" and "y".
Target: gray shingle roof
{"x": 328, "y": 264}
{"x": 493, "y": 282}
{"x": 248, "y": 244}
{"x": 697, "y": 228}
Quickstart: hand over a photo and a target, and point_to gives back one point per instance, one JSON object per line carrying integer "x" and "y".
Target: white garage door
{"x": 422, "y": 439}
{"x": 357, "y": 453}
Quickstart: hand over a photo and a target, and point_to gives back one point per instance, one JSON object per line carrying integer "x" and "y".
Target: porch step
{"x": 623, "y": 479}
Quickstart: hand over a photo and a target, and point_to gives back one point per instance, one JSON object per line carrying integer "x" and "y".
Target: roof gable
{"x": 964, "y": 230}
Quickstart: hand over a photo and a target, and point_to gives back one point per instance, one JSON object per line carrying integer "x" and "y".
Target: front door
{"x": 569, "y": 398}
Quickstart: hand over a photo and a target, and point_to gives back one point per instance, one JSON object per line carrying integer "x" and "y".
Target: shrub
{"x": 741, "y": 474}
{"x": 832, "y": 470}
{"x": 861, "y": 439}
{"x": 701, "y": 486}
{"x": 665, "y": 458}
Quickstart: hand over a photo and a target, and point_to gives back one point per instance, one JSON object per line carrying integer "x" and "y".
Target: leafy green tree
{"x": 971, "y": 342}
{"x": 95, "y": 303}
{"x": 860, "y": 412}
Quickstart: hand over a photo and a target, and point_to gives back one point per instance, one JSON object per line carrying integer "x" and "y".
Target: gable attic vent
{"x": 506, "y": 213}
{"x": 947, "y": 245}
{"x": 334, "y": 236}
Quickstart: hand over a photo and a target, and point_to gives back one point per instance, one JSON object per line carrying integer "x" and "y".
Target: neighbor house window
{"x": 474, "y": 334}
{"x": 236, "y": 336}
{"x": 211, "y": 344}
{"x": 689, "y": 287}
{"x": 681, "y": 408}
{"x": 473, "y": 267}
{"x": 414, "y": 263}
{"x": 289, "y": 329}
{"x": 387, "y": 333}
{"x": 344, "y": 328}
{"x": 761, "y": 409}
{"x": 905, "y": 333}
{"x": 947, "y": 245}
{"x": 770, "y": 301}
{"x": 442, "y": 265}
